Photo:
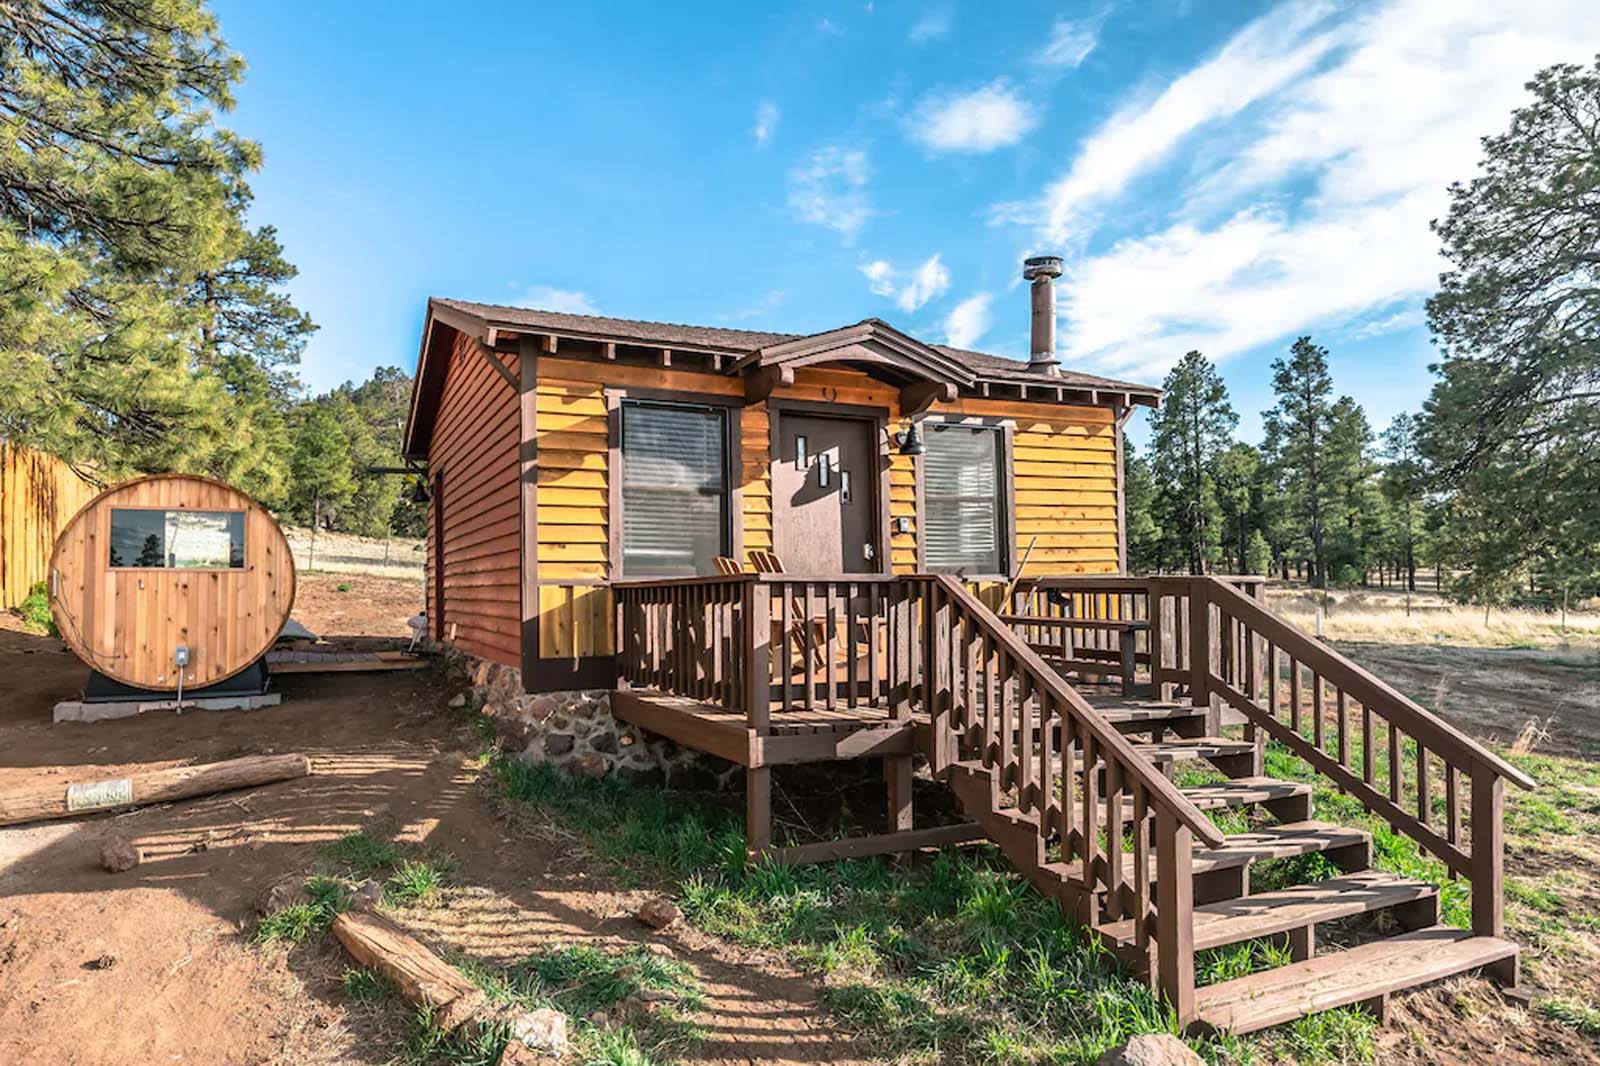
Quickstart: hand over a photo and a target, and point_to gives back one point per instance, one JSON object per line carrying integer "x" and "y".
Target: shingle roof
{"x": 743, "y": 341}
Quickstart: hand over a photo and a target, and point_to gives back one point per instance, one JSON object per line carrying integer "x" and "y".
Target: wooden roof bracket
{"x": 760, "y": 383}
{"x": 918, "y": 396}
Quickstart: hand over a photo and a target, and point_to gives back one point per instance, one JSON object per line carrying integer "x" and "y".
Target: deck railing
{"x": 926, "y": 647}
{"x": 1213, "y": 641}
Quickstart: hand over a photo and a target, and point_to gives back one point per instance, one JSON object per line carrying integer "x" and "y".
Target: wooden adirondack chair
{"x": 765, "y": 562}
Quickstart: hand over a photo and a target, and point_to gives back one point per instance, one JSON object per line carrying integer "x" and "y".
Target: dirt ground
{"x": 1492, "y": 693}
{"x": 156, "y": 965}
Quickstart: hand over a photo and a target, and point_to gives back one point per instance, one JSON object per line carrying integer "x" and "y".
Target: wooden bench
{"x": 1121, "y": 661}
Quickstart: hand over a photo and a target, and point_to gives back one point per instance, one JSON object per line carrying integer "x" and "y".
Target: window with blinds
{"x": 674, "y": 489}
{"x": 963, "y": 529}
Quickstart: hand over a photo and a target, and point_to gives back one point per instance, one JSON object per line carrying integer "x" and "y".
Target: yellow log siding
{"x": 1065, "y": 482}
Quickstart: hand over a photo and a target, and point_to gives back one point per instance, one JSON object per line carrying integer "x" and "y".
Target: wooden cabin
{"x": 566, "y": 452}
{"x": 779, "y": 549}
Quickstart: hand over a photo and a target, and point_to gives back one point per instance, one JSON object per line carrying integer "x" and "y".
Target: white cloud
{"x": 829, "y": 27}
{"x": 923, "y": 285}
{"x": 767, "y": 115}
{"x": 768, "y": 303}
{"x": 934, "y": 23}
{"x": 982, "y": 120}
{"x": 830, "y": 189}
{"x": 1071, "y": 41}
{"x": 1261, "y": 58}
{"x": 549, "y": 298}
{"x": 968, "y": 321}
{"x": 1320, "y": 219}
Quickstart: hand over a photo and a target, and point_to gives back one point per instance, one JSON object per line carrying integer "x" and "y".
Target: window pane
{"x": 209, "y": 540}
{"x": 674, "y": 490}
{"x": 961, "y": 496}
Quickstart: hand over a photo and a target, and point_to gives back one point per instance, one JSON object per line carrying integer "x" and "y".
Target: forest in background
{"x": 144, "y": 326}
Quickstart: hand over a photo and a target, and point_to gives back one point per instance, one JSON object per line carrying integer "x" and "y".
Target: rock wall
{"x": 576, "y": 731}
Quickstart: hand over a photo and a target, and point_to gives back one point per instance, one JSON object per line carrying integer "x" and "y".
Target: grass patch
{"x": 294, "y": 923}
{"x": 1580, "y": 1016}
{"x": 35, "y": 611}
{"x": 364, "y": 985}
{"x": 578, "y": 981}
{"x": 415, "y": 881}
{"x": 955, "y": 957}
{"x": 363, "y": 854}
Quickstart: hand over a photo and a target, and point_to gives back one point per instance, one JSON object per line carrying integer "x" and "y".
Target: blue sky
{"x": 1219, "y": 175}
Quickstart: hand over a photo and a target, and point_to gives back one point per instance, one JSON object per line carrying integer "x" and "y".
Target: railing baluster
{"x": 1394, "y": 763}
{"x": 873, "y": 632}
{"x": 785, "y": 594}
{"x": 1114, "y": 874}
{"x": 1368, "y": 773}
{"x": 1452, "y": 805}
{"x": 1141, "y": 872}
{"x": 1424, "y": 802}
{"x": 1025, "y": 766}
{"x": 1344, "y": 727}
{"x": 809, "y": 648}
{"x": 1294, "y": 693}
{"x": 830, "y": 642}
{"x": 1316, "y": 711}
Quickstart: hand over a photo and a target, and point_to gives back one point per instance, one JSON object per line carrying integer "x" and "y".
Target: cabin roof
{"x": 736, "y": 350}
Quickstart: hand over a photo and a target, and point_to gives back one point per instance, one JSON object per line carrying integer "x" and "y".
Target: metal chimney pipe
{"x": 1042, "y": 271}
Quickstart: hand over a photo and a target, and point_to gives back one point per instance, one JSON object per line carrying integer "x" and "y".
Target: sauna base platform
{"x": 83, "y": 711}
{"x": 251, "y": 681}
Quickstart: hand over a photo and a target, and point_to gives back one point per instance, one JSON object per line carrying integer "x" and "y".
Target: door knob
{"x": 868, "y": 552}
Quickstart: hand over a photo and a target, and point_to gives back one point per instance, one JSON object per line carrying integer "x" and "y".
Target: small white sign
{"x": 93, "y": 795}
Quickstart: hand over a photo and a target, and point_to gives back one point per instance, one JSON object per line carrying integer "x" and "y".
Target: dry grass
{"x": 1379, "y": 616}
{"x": 344, "y": 553}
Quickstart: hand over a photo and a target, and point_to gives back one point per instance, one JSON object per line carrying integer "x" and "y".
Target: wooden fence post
{"x": 1200, "y": 652}
{"x": 758, "y": 656}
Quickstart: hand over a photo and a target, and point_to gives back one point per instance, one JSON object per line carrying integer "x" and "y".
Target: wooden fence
{"x": 38, "y": 495}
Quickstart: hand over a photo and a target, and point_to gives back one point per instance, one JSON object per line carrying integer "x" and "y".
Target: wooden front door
{"x": 825, "y": 495}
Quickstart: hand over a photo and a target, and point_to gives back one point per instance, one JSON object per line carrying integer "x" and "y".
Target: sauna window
{"x": 675, "y": 518}
{"x": 182, "y": 540}
{"x": 963, "y": 507}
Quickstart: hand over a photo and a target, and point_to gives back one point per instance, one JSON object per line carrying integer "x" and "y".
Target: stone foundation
{"x": 576, "y": 731}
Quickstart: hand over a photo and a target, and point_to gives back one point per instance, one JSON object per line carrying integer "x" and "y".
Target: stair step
{"x": 1141, "y": 711}
{"x": 1233, "y": 920}
{"x": 1179, "y": 749}
{"x": 1242, "y": 792}
{"x": 1242, "y": 849}
{"x": 1357, "y": 975}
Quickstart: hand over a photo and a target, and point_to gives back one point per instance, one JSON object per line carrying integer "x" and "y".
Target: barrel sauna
{"x": 167, "y": 567}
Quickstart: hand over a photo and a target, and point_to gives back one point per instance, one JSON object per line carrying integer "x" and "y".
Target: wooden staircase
{"x": 1080, "y": 796}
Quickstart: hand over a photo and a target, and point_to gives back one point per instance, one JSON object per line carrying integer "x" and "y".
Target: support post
{"x": 1175, "y": 914}
{"x": 757, "y": 812}
{"x": 757, "y": 638}
{"x": 1488, "y": 852}
{"x": 897, "y": 775}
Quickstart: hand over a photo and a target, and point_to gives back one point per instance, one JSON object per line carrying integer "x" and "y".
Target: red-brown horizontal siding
{"x": 474, "y": 442}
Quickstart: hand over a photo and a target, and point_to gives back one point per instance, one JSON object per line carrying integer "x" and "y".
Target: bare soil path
{"x": 157, "y": 964}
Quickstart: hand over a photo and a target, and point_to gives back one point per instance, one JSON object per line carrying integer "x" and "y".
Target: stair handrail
{"x": 1310, "y": 650}
{"x": 1105, "y": 734}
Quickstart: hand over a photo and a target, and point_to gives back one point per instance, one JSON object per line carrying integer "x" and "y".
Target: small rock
{"x": 590, "y": 764}
{"x": 557, "y": 743}
{"x": 658, "y": 913}
{"x": 654, "y": 995}
{"x": 541, "y": 1030}
{"x": 367, "y": 894}
{"x": 458, "y": 701}
{"x": 101, "y": 962}
{"x": 290, "y": 892}
{"x": 118, "y": 854}
{"x": 1152, "y": 1049}
{"x": 660, "y": 950}
{"x": 599, "y": 1017}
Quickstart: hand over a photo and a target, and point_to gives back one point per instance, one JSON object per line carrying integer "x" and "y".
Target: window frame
{"x": 733, "y": 492}
{"x": 1005, "y": 490}
{"x": 244, "y": 540}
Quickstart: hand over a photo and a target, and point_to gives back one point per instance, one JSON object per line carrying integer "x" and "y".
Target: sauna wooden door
{"x": 825, "y": 495}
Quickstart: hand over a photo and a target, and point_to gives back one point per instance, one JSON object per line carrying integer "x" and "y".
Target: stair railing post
{"x": 1175, "y": 913}
{"x": 1200, "y": 652}
{"x": 1488, "y": 851}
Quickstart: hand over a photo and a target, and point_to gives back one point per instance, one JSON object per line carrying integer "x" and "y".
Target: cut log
{"x": 422, "y": 977}
{"x": 149, "y": 786}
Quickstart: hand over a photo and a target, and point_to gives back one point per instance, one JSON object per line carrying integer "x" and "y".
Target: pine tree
{"x": 1512, "y": 427}
{"x": 321, "y": 465}
{"x": 1298, "y": 429}
{"x": 1189, "y": 434}
{"x": 1138, "y": 496}
{"x": 1403, "y": 486}
{"x": 1238, "y": 494}
{"x": 119, "y": 193}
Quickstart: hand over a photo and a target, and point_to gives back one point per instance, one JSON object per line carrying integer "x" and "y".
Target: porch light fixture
{"x": 910, "y": 440}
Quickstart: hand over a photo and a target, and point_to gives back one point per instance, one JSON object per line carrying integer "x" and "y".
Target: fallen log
{"x": 149, "y": 786}
{"x": 422, "y": 977}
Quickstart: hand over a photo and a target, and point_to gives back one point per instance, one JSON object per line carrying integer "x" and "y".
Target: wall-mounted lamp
{"x": 910, "y": 440}
{"x": 419, "y": 491}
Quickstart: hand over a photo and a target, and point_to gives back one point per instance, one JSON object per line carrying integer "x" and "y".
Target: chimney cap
{"x": 1041, "y": 266}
